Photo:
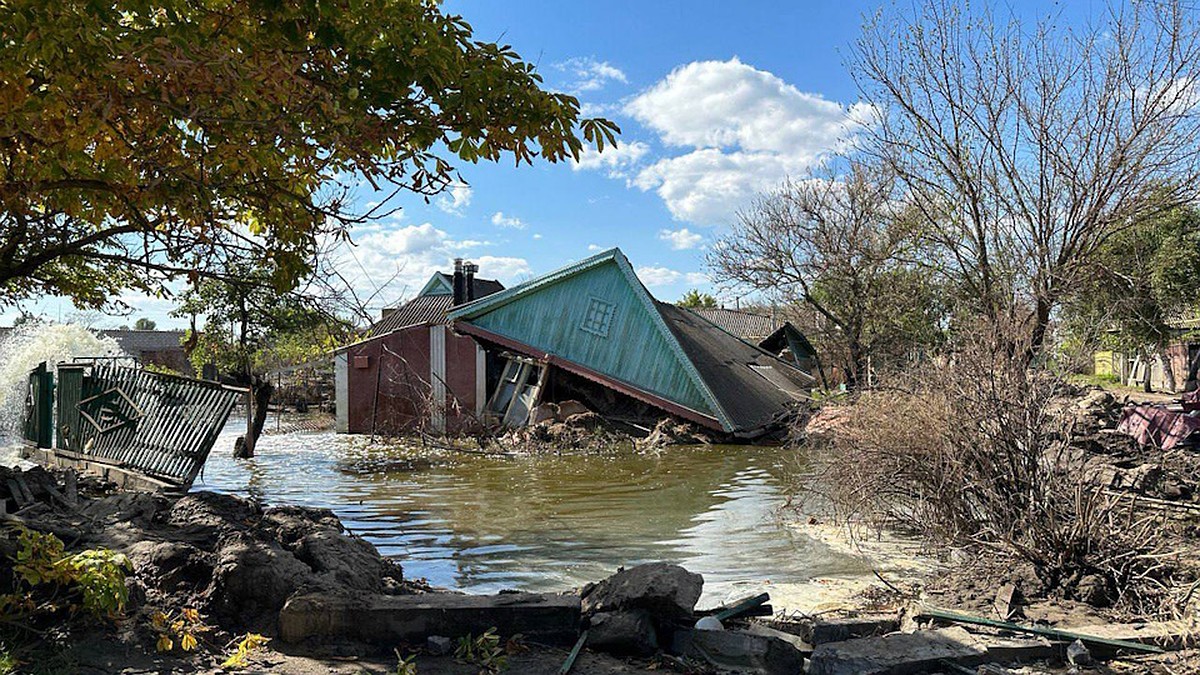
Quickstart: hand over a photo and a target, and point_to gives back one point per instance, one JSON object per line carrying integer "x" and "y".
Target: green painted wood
{"x": 70, "y": 392}
{"x": 635, "y": 349}
{"x": 39, "y": 407}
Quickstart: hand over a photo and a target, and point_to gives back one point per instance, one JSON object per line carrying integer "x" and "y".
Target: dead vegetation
{"x": 975, "y": 452}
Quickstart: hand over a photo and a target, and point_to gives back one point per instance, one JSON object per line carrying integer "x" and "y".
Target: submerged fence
{"x": 159, "y": 425}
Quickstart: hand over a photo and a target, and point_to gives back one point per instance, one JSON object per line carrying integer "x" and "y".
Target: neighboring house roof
{"x": 443, "y": 284}
{"x": 421, "y": 309}
{"x": 747, "y": 325}
{"x": 431, "y": 304}
{"x": 135, "y": 342}
{"x": 596, "y": 318}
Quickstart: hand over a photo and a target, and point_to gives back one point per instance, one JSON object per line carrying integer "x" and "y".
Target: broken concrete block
{"x": 391, "y": 619}
{"x": 571, "y": 408}
{"x": 1169, "y": 635}
{"x": 898, "y": 653}
{"x": 666, "y": 591}
{"x": 623, "y": 633}
{"x": 820, "y": 631}
{"x": 739, "y": 651}
{"x": 439, "y": 645}
{"x": 546, "y": 412}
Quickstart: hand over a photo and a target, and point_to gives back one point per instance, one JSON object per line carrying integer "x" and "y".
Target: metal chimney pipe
{"x": 469, "y": 271}
{"x": 460, "y": 286}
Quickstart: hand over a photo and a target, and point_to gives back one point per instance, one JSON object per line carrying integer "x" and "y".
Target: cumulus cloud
{"x": 511, "y": 222}
{"x": 455, "y": 199}
{"x": 392, "y": 264}
{"x": 681, "y": 239}
{"x": 654, "y": 276}
{"x": 741, "y": 130}
{"x": 616, "y": 161}
{"x": 590, "y": 73}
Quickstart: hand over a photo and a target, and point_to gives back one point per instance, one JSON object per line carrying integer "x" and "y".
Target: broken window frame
{"x": 526, "y": 378}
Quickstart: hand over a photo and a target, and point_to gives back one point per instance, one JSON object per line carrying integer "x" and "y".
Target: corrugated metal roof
{"x": 749, "y": 325}
{"x": 421, "y": 309}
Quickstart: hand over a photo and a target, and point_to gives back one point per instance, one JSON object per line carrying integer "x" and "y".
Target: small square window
{"x": 598, "y": 317}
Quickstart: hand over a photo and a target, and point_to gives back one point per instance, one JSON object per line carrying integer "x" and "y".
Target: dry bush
{"x": 969, "y": 452}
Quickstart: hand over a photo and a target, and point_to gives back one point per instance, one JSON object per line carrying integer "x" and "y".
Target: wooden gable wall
{"x": 634, "y": 349}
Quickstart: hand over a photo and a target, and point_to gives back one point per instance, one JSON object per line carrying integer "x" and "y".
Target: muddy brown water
{"x": 551, "y": 522}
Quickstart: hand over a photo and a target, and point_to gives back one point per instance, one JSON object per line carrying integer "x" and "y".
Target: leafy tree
{"x": 142, "y": 141}
{"x": 1146, "y": 279}
{"x": 251, "y": 329}
{"x": 695, "y": 299}
{"x": 144, "y": 324}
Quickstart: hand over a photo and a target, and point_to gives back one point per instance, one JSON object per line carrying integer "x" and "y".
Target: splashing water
{"x": 21, "y": 351}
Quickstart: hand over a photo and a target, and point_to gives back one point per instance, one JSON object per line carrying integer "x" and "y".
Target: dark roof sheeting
{"x": 483, "y": 287}
{"x": 748, "y": 325}
{"x": 752, "y": 387}
{"x": 135, "y": 342}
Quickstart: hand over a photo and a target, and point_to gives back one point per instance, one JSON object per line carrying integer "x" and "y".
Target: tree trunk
{"x": 856, "y": 370}
{"x": 1041, "y": 326}
{"x": 1168, "y": 368}
{"x": 1148, "y": 375}
{"x": 260, "y": 393}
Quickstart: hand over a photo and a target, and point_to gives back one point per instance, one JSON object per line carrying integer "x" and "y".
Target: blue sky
{"x": 716, "y": 100}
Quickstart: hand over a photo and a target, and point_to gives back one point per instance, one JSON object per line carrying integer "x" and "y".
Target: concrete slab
{"x": 391, "y": 619}
{"x": 897, "y": 654}
{"x": 821, "y": 631}
{"x": 739, "y": 652}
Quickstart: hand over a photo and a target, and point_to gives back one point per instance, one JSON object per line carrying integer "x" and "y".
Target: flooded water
{"x": 548, "y": 523}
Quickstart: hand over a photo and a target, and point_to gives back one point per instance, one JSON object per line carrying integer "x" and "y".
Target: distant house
{"x": 589, "y": 332}
{"x": 1182, "y": 357}
{"x": 778, "y": 337}
{"x": 150, "y": 347}
{"x": 389, "y": 381}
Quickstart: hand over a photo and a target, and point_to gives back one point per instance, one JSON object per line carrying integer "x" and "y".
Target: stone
{"x": 821, "y": 631}
{"x": 252, "y": 580}
{"x": 1093, "y": 590}
{"x": 391, "y": 619}
{"x": 668, "y": 592}
{"x": 571, "y": 408}
{"x": 1078, "y": 654}
{"x": 623, "y": 633}
{"x": 346, "y": 561}
{"x": 739, "y": 651}
{"x": 897, "y": 653}
{"x": 439, "y": 645}
{"x": 546, "y": 412}
{"x": 171, "y": 566}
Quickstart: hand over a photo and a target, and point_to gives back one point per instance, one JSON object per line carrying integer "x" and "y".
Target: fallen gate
{"x": 152, "y": 424}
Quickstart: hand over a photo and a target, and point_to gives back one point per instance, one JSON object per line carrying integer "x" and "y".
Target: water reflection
{"x": 482, "y": 524}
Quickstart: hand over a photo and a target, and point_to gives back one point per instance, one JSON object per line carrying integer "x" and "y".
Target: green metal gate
{"x": 39, "y": 407}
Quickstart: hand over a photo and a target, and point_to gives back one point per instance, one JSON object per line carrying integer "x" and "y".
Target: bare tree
{"x": 836, "y": 245}
{"x": 1024, "y": 148}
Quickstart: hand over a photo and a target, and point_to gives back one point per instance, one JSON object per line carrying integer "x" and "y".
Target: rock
{"x": 546, "y": 412}
{"x": 171, "y": 566}
{"x": 439, "y": 645}
{"x": 821, "y": 631}
{"x": 897, "y": 653}
{"x": 623, "y": 633}
{"x": 570, "y": 409}
{"x": 1093, "y": 590}
{"x": 584, "y": 420}
{"x": 739, "y": 652}
{"x": 210, "y": 514}
{"x": 392, "y": 619}
{"x": 668, "y": 592}
{"x": 347, "y": 561}
{"x": 1078, "y": 654}
{"x": 252, "y": 580}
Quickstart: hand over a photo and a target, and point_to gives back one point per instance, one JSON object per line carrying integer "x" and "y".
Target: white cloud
{"x": 595, "y": 247}
{"x": 615, "y": 160}
{"x": 455, "y": 199}
{"x": 537, "y": 235}
{"x": 394, "y": 263}
{"x": 501, "y": 220}
{"x": 591, "y": 74}
{"x": 743, "y": 131}
{"x": 654, "y": 276}
{"x": 682, "y": 239}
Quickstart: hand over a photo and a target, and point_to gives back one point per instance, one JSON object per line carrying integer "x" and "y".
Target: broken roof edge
{"x": 371, "y": 338}
{"x": 752, "y": 344}
{"x": 615, "y": 255}
{"x": 656, "y": 400}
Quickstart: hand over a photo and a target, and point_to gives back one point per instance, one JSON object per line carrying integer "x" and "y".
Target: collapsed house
{"x": 589, "y": 332}
{"x": 765, "y": 330}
